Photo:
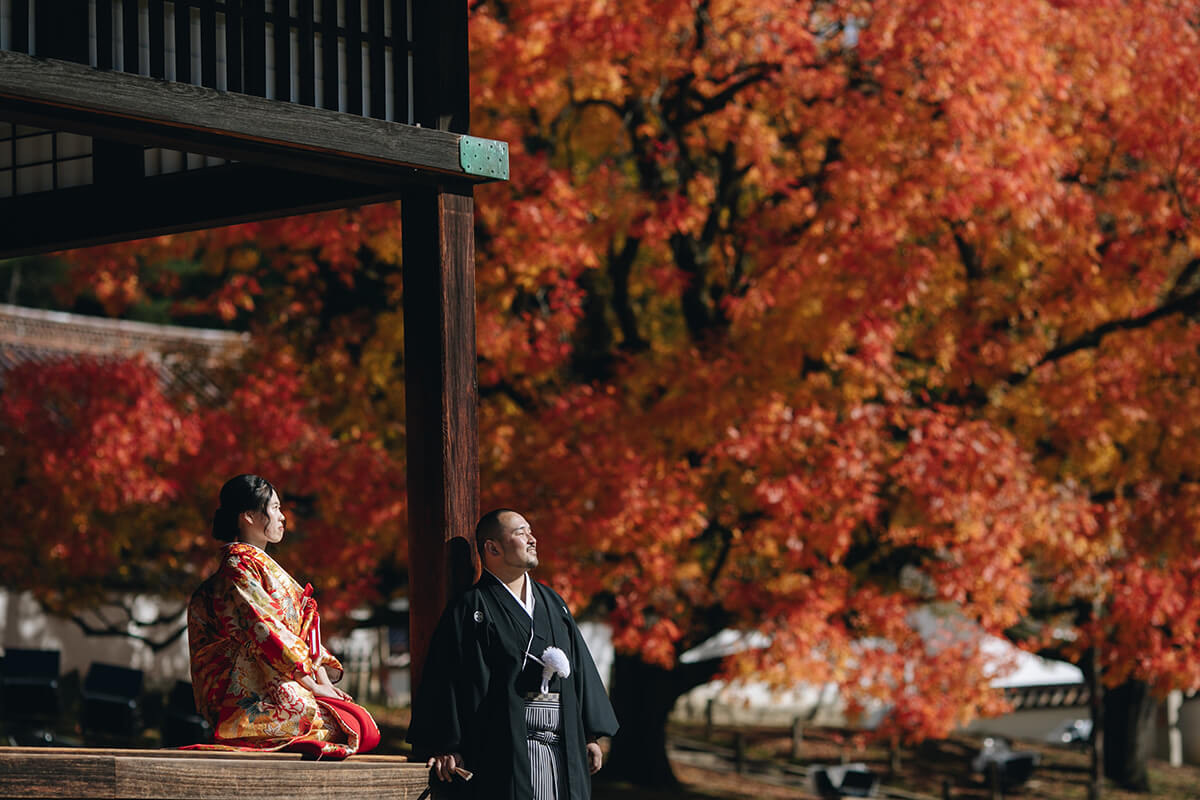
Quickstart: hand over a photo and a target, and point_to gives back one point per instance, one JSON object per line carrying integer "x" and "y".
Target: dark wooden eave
{"x": 61, "y": 95}
{"x": 289, "y": 158}
{"x": 224, "y": 195}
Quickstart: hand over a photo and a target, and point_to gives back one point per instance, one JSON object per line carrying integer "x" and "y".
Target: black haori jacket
{"x": 471, "y": 697}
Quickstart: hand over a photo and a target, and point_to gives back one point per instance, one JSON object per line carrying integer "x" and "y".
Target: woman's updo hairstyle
{"x": 238, "y": 495}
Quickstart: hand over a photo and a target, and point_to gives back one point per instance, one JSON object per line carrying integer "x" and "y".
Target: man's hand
{"x": 595, "y": 758}
{"x": 444, "y": 766}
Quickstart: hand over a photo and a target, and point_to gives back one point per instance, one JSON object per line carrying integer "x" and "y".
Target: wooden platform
{"x": 43, "y": 772}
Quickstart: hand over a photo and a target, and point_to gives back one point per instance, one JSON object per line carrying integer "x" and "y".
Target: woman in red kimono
{"x": 259, "y": 671}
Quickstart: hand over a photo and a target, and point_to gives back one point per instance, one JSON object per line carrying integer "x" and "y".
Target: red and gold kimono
{"x": 254, "y": 633}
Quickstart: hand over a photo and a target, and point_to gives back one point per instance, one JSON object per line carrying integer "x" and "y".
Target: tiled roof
{"x": 185, "y": 358}
{"x": 1050, "y": 696}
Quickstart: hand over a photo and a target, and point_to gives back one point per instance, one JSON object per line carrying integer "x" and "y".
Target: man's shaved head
{"x": 506, "y": 543}
{"x": 490, "y": 527}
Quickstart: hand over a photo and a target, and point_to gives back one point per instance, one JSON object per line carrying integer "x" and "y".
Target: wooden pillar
{"x": 441, "y": 393}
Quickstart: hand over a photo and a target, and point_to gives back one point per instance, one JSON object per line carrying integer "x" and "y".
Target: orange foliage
{"x": 112, "y": 483}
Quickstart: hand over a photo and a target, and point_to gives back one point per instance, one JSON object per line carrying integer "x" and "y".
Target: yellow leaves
{"x": 1099, "y": 458}
{"x": 380, "y": 359}
{"x": 789, "y": 585}
{"x": 688, "y": 571}
{"x": 386, "y": 246}
{"x": 243, "y": 259}
{"x": 969, "y": 528}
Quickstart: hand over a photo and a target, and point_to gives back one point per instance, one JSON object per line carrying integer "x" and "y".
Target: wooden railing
{"x": 341, "y": 55}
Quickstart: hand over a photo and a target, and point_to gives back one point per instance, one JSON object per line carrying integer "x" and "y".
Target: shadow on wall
{"x": 23, "y": 624}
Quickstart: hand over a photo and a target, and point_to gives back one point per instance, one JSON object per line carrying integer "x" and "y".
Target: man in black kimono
{"x": 483, "y": 703}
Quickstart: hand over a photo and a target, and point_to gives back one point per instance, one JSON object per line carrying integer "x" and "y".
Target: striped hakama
{"x": 543, "y": 722}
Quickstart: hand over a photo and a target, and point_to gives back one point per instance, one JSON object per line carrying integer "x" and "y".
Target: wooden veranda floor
{"x": 41, "y": 772}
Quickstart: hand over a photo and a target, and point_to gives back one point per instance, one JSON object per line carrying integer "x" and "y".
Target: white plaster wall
{"x": 1189, "y": 729}
{"x": 598, "y": 638}
{"x": 758, "y": 704}
{"x": 1029, "y": 724}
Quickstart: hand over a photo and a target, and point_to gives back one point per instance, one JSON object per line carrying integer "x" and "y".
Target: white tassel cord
{"x": 554, "y": 662}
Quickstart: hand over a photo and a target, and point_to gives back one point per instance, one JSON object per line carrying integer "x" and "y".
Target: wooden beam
{"x": 441, "y": 395}
{"x": 39, "y": 772}
{"x": 117, "y": 211}
{"x": 59, "y": 95}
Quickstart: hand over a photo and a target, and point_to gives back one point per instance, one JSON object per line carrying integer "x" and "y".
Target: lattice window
{"x": 35, "y": 160}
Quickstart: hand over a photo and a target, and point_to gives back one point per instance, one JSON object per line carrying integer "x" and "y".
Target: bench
{"x": 42, "y": 772}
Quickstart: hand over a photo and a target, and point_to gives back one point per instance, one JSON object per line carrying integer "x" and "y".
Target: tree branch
{"x": 620, "y": 111}
{"x": 110, "y": 630}
{"x": 1185, "y": 277}
{"x": 503, "y": 387}
{"x": 713, "y": 103}
{"x": 968, "y": 254}
{"x": 695, "y": 313}
{"x": 1188, "y": 303}
{"x": 722, "y": 554}
{"x": 620, "y": 265}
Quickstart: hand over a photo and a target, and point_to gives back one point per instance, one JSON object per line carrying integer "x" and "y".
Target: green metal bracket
{"x": 487, "y": 158}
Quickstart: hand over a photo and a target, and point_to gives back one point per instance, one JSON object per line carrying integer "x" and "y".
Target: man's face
{"x": 517, "y": 544}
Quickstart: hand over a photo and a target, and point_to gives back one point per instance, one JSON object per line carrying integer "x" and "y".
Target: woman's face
{"x": 264, "y": 527}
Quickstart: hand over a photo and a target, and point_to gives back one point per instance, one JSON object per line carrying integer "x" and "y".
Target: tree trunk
{"x": 1129, "y": 734}
{"x": 643, "y": 695}
{"x": 1091, "y": 668}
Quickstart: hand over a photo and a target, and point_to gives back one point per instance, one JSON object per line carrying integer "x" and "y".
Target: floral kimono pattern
{"x": 254, "y": 633}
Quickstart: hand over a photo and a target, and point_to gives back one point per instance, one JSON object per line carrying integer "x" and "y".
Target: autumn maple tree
{"x": 799, "y": 318}
{"x": 882, "y": 306}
